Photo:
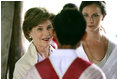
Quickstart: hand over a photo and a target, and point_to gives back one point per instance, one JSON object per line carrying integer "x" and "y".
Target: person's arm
{"x": 93, "y": 72}
{"x": 32, "y": 74}
{"x": 110, "y": 67}
{"x": 18, "y": 72}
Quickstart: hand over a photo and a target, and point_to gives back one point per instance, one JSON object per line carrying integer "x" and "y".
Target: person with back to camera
{"x": 97, "y": 48}
{"x": 38, "y": 29}
{"x": 64, "y": 63}
{"x": 70, "y": 6}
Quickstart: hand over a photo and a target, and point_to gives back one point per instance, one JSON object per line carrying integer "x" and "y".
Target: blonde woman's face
{"x": 42, "y": 34}
{"x": 93, "y": 16}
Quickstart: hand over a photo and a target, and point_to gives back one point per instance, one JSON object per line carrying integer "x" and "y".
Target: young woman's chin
{"x": 91, "y": 29}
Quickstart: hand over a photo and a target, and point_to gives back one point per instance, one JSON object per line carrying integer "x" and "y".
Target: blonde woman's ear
{"x": 30, "y": 37}
{"x": 29, "y": 34}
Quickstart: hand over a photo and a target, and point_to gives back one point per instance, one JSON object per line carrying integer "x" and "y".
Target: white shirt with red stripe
{"x": 53, "y": 43}
{"x": 64, "y": 64}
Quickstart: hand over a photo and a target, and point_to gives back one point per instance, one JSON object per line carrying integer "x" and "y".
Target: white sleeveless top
{"x": 111, "y": 46}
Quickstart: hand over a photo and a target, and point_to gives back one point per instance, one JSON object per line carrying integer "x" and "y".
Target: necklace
{"x": 93, "y": 58}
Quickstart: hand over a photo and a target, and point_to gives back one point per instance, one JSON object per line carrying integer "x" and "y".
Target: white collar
{"x": 40, "y": 58}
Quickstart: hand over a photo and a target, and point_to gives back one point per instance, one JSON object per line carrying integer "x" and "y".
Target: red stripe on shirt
{"x": 46, "y": 70}
{"x": 76, "y": 69}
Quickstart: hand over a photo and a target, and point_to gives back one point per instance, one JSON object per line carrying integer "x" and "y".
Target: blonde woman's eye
{"x": 49, "y": 27}
{"x": 40, "y": 29}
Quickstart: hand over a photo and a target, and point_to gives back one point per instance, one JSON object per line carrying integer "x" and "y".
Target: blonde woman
{"x": 38, "y": 29}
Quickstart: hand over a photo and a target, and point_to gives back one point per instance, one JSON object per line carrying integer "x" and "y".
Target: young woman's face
{"x": 42, "y": 34}
{"x": 93, "y": 16}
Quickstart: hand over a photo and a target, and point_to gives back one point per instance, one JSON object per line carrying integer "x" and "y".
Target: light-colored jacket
{"x": 29, "y": 59}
